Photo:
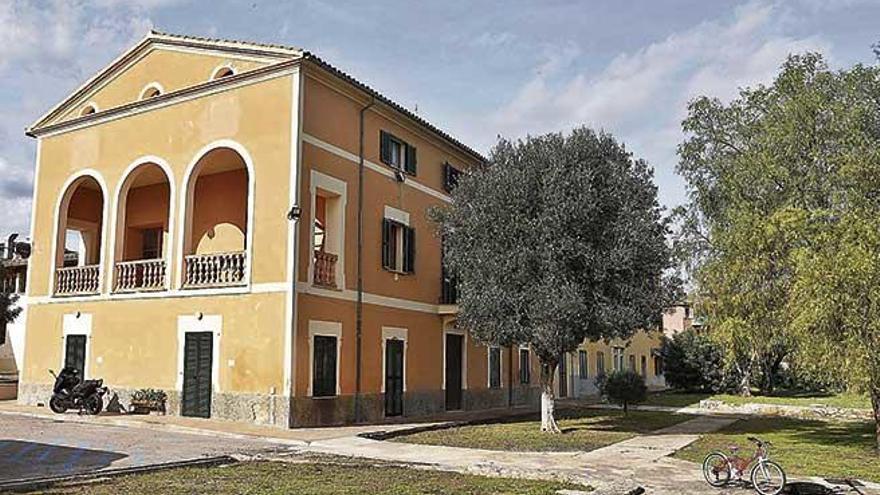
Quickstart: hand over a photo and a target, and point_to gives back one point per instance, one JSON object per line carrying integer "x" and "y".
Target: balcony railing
{"x": 448, "y": 289}
{"x": 140, "y": 275}
{"x": 77, "y": 280}
{"x": 214, "y": 270}
{"x": 325, "y": 269}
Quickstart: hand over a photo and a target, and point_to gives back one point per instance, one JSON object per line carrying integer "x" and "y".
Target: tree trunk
{"x": 875, "y": 405}
{"x": 745, "y": 388}
{"x": 548, "y": 398}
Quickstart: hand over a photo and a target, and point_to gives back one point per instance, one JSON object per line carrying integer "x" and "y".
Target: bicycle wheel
{"x": 716, "y": 469}
{"x": 768, "y": 478}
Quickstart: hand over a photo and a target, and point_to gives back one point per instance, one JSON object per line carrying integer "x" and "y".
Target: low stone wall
{"x": 261, "y": 409}
{"x": 274, "y": 410}
{"x": 309, "y": 411}
{"x": 818, "y": 411}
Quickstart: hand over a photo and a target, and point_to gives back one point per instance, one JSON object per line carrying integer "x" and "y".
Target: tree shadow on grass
{"x": 858, "y": 434}
{"x": 23, "y": 460}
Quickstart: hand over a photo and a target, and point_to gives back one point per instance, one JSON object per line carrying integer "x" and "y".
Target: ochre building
{"x": 252, "y": 238}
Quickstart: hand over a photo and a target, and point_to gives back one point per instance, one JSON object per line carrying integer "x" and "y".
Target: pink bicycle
{"x": 767, "y": 477}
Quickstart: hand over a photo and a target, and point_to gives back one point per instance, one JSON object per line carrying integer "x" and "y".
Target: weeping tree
{"x": 556, "y": 240}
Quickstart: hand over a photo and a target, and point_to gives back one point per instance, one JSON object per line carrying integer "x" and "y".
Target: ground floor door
{"x": 197, "y": 363}
{"x": 75, "y": 353}
{"x": 563, "y": 377}
{"x": 454, "y": 348}
{"x": 393, "y": 377}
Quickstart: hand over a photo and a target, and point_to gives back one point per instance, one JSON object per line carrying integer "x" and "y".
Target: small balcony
{"x": 77, "y": 280}
{"x": 448, "y": 289}
{"x": 325, "y": 269}
{"x": 140, "y": 275}
{"x": 214, "y": 270}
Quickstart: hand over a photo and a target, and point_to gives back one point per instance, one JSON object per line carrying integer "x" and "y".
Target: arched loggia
{"x": 215, "y": 239}
{"x": 141, "y": 247}
{"x": 80, "y": 232}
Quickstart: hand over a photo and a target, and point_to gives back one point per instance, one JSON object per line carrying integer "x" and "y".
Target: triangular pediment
{"x": 162, "y": 63}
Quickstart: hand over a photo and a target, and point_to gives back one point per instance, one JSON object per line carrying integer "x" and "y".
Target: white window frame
{"x": 519, "y": 364}
{"x": 583, "y": 371}
{"x": 216, "y": 72}
{"x": 489, "y": 367}
{"x": 196, "y": 323}
{"x": 617, "y": 359}
{"x": 394, "y": 333}
{"x": 90, "y": 105}
{"x": 400, "y": 217}
{"x": 340, "y": 189}
{"x": 326, "y": 329}
{"x": 77, "y": 324}
{"x": 153, "y": 85}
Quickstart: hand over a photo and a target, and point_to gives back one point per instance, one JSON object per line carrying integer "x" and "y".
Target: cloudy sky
{"x": 477, "y": 68}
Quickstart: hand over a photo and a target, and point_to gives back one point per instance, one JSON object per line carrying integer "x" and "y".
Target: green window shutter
{"x": 410, "y": 163}
{"x": 389, "y": 245}
{"x": 409, "y": 249}
{"x": 324, "y": 373}
{"x": 385, "y": 147}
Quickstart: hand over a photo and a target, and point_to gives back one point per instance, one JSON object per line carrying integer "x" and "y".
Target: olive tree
{"x": 556, "y": 240}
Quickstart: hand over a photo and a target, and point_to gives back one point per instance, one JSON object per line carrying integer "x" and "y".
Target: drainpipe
{"x": 359, "y": 308}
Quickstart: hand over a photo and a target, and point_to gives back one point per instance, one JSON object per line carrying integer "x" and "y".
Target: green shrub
{"x": 693, "y": 362}
{"x": 624, "y": 388}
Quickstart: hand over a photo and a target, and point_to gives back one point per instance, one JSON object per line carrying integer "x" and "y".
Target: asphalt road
{"x": 32, "y": 447}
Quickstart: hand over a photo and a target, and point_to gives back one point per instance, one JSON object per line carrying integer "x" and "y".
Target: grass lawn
{"x": 852, "y": 401}
{"x": 582, "y": 430}
{"x": 802, "y": 447}
{"x": 313, "y": 478}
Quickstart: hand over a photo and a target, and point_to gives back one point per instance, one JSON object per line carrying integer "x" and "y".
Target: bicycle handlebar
{"x": 759, "y": 441}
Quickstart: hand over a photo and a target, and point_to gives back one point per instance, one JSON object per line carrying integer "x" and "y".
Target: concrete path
{"x": 614, "y": 469}
{"x": 36, "y": 447}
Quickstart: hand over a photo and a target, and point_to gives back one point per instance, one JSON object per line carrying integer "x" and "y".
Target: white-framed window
{"x": 600, "y": 363}
{"x": 398, "y": 242}
{"x": 582, "y": 364}
{"x": 632, "y": 363}
{"x": 617, "y": 356}
{"x": 222, "y": 71}
{"x": 88, "y": 109}
{"x": 525, "y": 368}
{"x": 397, "y": 153}
{"x": 325, "y": 343}
{"x": 494, "y": 367}
{"x": 151, "y": 90}
{"x": 328, "y": 204}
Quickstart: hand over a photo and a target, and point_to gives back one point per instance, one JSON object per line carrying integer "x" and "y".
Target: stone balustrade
{"x": 214, "y": 270}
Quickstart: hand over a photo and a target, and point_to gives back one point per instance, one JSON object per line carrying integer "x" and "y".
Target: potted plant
{"x": 147, "y": 401}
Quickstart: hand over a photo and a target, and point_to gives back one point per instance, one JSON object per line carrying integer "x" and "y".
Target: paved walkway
{"x": 38, "y": 447}
{"x": 640, "y": 461}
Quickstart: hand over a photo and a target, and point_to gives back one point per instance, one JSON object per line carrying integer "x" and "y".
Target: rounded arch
{"x": 222, "y": 71}
{"x": 61, "y": 222}
{"x": 186, "y": 197}
{"x": 88, "y": 109}
{"x": 151, "y": 90}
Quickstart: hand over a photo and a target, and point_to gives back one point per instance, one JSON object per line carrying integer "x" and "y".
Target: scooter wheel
{"x": 94, "y": 405}
{"x": 58, "y": 406}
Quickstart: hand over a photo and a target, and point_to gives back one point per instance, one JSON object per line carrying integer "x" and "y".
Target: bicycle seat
{"x": 755, "y": 440}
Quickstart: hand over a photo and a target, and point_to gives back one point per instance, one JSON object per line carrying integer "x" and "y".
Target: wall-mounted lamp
{"x": 294, "y": 213}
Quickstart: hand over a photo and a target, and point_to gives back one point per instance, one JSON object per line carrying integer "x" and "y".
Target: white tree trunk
{"x": 548, "y": 399}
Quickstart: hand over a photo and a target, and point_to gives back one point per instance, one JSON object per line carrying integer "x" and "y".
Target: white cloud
{"x": 47, "y": 49}
{"x": 642, "y": 96}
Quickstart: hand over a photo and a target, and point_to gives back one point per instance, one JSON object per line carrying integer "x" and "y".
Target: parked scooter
{"x": 71, "y": 391}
